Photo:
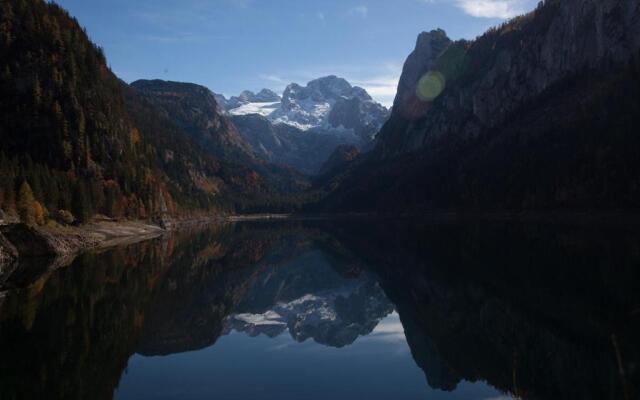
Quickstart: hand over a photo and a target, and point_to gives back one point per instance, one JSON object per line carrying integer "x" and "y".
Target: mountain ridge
{"x": 314, "y": 106}
{"x": 511, "y": 120}
{"x": 308, "y": 123}
{"x": 92, "y": 144}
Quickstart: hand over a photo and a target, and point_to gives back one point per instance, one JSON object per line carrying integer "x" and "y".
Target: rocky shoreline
{"x": 20, "y": 240}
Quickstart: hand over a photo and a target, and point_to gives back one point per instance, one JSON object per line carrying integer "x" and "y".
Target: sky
{"x": 235, "y": 45}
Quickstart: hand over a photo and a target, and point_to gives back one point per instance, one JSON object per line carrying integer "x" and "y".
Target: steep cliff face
{"x": 485, "y": 81}
{"x": 540, "y": 113}
{"x": 429, "y": 46}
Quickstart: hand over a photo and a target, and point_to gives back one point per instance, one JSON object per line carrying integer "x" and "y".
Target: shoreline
{"x": 19, "y": 241}
{"x": 22, "y": 241}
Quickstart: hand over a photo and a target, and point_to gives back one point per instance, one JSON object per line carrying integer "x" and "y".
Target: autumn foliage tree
{"x": 31, "y": 212}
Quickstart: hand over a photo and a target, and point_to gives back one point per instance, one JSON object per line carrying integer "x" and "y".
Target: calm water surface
{"x": 328, "y": 309}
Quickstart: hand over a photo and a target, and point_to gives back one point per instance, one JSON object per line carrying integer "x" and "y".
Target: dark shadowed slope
{"x": 86, "y": 142}
{"x": 540, "y": 113}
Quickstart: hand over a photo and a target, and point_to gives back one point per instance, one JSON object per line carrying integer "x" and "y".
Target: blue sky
{"x": 233, "y": 45}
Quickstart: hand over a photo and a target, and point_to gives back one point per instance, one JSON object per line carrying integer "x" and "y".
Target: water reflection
{"x": 309, "y": 298}
{"x": 330, "y": 309}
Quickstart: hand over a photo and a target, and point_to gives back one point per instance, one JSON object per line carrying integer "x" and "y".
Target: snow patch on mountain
{"x": 329, "y": 104}
{"x": 264, "y": 109}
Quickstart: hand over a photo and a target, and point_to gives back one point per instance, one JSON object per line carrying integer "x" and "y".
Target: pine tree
{"x": 37, "y": 92}
{"x": 40, "y": 213}
{"x": 25, "y": 205}
{"x": 81, "y": 206}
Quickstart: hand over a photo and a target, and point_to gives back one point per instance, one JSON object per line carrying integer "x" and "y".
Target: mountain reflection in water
{"x": 332, "y": 309}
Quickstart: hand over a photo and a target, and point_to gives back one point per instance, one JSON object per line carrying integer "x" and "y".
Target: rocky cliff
{"x": 484, "y": 82}
{"x": 537, "y": 113}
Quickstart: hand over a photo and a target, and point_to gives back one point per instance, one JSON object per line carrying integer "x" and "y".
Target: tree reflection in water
{"x": 535, "y": 310}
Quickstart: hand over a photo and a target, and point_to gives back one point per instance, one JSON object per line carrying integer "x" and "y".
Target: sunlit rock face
{"x": 329, "y": 103}
{"x": 312, "y": 301}
{"x": 328, "y": 106}
{"x": 429, "y": 46}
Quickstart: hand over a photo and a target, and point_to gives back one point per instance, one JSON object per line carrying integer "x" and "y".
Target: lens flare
{"x": 430, "y": 86}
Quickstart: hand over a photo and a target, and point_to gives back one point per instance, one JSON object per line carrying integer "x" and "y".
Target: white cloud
{"x": 273, "y": 78}
{"x": 359, "y": 11}
{"x": 321, "y": 16}
{"x": 503, "y": 9}
{"x": 382, "y": 88}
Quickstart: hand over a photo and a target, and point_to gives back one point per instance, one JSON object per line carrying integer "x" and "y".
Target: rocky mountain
{"x": 194, "y": 109}
{"x": 307, "y": 122}
{"x": 538, "y": 113}
{"x": 329, "y": 103}
{"x": 284, "y": 144}
{"x": 91, "y": 144}
{"x": 198, "y": 114}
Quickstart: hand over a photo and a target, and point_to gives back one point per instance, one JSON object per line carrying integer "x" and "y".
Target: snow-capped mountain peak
{"x": 329, "y": 104}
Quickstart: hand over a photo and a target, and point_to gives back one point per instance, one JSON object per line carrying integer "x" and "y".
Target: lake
{"x": 332, "y": 309}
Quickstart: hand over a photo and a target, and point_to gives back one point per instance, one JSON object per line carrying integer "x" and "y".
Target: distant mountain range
{"x": 254, "y": 129}
{"x": 304, "y": 126}
{"x": 329, "y": 103}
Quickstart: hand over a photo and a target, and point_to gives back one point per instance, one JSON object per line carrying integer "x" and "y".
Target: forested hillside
{"x": 76, "y": 141}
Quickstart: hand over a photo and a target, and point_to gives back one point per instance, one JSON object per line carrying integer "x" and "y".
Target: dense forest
{"x": 77, "y": 141}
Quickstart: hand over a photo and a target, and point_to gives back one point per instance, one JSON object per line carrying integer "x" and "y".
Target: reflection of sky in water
{"x": 377, "y": 366}
{"x": 389, "y": 330}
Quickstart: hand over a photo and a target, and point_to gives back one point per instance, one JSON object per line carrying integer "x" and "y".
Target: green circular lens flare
{"x": 430, "y": 86}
